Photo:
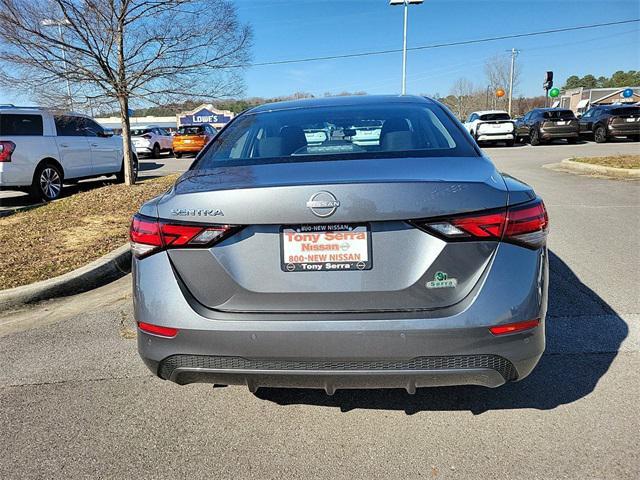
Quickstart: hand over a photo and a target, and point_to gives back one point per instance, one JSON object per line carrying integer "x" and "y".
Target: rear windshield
{"x": 192, "y": 130}
{"x": 337, "y": 133}
{"x": 20, "y": 125}
{"x": 625, "y": 111}
{"x": 559, "y": 114}
{"x": 140, "y": 131}
{"x": 495, "y": 116}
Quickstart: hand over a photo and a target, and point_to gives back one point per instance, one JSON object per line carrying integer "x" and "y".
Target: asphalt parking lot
{"x": 75, "y": 401}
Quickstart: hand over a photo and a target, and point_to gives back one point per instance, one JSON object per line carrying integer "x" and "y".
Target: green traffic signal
{"x": 554, "y": 92}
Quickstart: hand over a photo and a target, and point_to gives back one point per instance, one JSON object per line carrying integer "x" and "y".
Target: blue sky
{"x": 285, "y": 29}
{"x": 327, "y": 27}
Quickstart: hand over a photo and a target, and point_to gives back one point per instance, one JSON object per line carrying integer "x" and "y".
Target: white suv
{"x": 39, "y": 150}
{"x": 151, "y": 140}
{"x": 491, "y": 126}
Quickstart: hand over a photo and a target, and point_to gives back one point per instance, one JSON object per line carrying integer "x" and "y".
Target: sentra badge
{"x": 197, "y": 212}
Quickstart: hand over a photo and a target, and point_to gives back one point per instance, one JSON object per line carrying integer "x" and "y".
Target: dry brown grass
{"x": 59, "y": 237}
{"x": 616, "y": 161}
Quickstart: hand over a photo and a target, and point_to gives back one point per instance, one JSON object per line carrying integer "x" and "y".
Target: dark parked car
{"x": 606, "y": 121}
{"x": 541, "y": 125}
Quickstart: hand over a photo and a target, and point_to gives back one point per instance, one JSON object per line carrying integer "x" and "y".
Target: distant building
{"x": 205, "y": 113}
{"x": 581, "y": 99}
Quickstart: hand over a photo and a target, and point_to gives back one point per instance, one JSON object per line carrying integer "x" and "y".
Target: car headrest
{"x": 270, "y": 147}
{"x": 396, "y": 135}
{"x": 395, "y": 141}
{"x": 292, "y": 139}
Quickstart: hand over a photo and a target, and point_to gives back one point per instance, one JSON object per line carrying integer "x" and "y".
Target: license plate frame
{"x": 327, "y": 263}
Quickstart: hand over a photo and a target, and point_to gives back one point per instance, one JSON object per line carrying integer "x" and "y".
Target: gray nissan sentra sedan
{"x": 351, "y": 242}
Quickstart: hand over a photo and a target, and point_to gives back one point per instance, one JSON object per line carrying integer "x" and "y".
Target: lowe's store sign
{"x": 204, "y": 115}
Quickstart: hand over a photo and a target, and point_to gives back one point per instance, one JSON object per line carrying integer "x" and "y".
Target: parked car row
{"x": 541, "y": 125}
{"x": 152, "y": 140}
{"x": 41, "y": 150}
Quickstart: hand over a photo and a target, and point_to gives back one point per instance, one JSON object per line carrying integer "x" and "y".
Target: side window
{"x": 90, "y": 128}
{"x": 69, "y": 126}
{"x": 588, "y": 113}
{"x": 526, "y": 117}
{"x": 163, "y": 132}
{"x": 20, "y": 125}
{"x": 474, "y": 117}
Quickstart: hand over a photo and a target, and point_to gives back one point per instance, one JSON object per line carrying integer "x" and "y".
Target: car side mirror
{"x": 578, "y": 115}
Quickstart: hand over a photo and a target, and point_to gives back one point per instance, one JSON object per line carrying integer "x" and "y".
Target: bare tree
{"x": 462, "y": 91}
{"x": 118, "y": 51}
{"x": 497, "y": 71}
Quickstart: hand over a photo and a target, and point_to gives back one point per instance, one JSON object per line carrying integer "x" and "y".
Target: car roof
{"x": 552, "y": 109}
{"x": 486, "y": 112}
{"x": 347, "y": 100}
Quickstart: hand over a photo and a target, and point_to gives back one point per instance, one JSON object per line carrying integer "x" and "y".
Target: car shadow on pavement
{"x": 146, "y": 165}
{"x": 583, "y": 337}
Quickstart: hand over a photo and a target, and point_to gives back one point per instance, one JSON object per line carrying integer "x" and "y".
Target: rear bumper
{"x": 403, "y": 350}
{"x": 624, "y": 131}
{"x": 187, "y": 148}
{"x": 547, "y": 134}
{"x": 494, "y": 136}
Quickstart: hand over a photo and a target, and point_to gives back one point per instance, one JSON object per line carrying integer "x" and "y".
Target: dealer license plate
{"x": 313, "y": 248}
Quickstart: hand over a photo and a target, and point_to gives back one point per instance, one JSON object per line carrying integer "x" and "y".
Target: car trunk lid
{"x": 248, "y": 272}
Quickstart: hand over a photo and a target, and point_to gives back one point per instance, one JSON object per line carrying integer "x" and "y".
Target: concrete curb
{"x": 97, "y": 273}
{"x": 590, "y": 169}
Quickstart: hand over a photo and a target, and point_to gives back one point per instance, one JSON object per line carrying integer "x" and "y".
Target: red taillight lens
{"x": 526, "y": 225}
{"x": 158, "y": 330}
{"x": 6, "y": 149}
{"x": 149, "y": 235}
{"x": 514, "y": 327}
{"x": 483, "y": 226}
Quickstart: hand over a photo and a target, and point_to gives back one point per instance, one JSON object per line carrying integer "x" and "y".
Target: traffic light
{"x": 548, "y": 81}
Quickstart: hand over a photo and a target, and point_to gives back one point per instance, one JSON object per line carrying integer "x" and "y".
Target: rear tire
{"x": 155, "y": 151}
{"x": 120, "y": 174}
{"x": 177, "y": 154}
{"x": 534, "y": 137}
{"x": 600, "y": 134}
{"x": 47, "y": 182}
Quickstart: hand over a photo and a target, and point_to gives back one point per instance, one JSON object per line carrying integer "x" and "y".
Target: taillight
{"x": 147, "y": 136}
{"x": 525, "y": 225}
{"x": 149, "y": 235}
{"x": 6, "y": 149}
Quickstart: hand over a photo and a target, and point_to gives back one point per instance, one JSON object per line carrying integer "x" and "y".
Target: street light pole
{"x": 404, "y": 49}
{"x": 514, "y": 53}
{"x": 405, "y": 4}
{"x": 60, "y": 23}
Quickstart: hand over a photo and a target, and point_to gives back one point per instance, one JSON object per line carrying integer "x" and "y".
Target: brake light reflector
{"x": 6, "y": 149}
{"x": 514, "y": 327}
{"x": 168, "y": 332}
{"x": 148, "y": 235}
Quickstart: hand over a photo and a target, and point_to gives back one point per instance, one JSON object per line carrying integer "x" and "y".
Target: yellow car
{"x": 192, "y": 139}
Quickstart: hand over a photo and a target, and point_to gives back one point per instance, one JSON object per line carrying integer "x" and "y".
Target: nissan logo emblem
{"x": 323, "y": 204}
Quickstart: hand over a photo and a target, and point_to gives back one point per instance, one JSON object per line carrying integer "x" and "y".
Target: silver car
{"x": 403, "y": 262}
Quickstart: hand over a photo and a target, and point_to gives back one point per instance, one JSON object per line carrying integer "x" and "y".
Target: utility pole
{"x": 514, "y": 54}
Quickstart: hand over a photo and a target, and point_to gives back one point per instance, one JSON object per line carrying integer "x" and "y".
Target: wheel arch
{"x": 49, "y": 160}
